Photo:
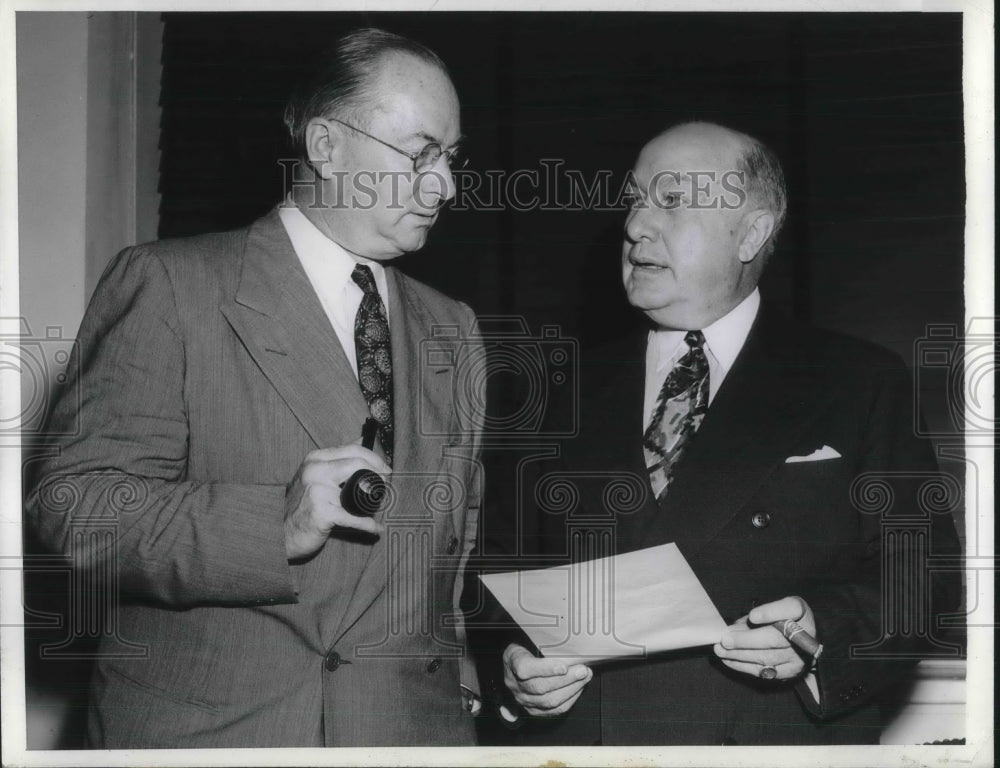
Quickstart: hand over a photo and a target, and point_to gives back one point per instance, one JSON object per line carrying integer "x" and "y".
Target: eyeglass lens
{"x": 430, "y": 154}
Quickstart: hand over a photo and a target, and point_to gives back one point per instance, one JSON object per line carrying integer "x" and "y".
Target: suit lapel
{"x": 281, "y": 323}
{"x": 421, "y": 392}
{"x": 421, "y": 406}
{"x": 614, "y": 386}
{"x": 766, "y": 401}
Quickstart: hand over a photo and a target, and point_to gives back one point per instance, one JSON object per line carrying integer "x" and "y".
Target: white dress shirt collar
{"x": 727, "y": 335}
{"x": 724, "y": 338}
{"x": 318, "y": 252}
{"x": 723, "y": 341}
{"x": 328, "y": 267}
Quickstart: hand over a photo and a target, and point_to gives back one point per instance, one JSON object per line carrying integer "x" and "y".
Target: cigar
{"x": 797, "y": 636}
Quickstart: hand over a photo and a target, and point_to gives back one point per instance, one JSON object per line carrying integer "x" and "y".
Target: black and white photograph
{"x": 435, "y": 384}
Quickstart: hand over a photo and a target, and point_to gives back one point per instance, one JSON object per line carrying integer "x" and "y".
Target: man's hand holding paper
{"x": 543, "y": 687}
{"x": 630, "y": 605}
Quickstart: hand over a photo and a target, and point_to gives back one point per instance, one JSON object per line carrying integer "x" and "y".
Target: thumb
{"x": 780, "y": 610}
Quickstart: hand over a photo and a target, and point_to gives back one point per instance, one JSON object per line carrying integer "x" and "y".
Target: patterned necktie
{"x": 680, "y": 407}
{"x": 371, "y": 342}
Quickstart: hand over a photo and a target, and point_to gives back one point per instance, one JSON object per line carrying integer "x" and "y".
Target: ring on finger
{"x": 767, "y": 673}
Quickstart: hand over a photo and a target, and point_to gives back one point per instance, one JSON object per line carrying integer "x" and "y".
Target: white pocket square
{"x": 820, "y": 454}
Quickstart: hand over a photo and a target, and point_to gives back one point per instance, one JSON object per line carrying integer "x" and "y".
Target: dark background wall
{"x": 865, "y": 111}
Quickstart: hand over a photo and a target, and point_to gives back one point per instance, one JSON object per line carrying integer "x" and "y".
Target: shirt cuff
{"x": 813, "y": 685}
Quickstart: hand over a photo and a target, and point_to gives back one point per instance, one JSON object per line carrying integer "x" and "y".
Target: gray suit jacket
{"x": 207, "y": 370}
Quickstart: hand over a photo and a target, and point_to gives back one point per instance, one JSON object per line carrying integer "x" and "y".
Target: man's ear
{"x": 757, "y": 227}
{"x": 322, "y": 141}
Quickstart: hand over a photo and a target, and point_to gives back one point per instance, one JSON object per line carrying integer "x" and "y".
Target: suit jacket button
{"x": 452, "y": 546}
{"x": 761, "y": 519}
{"x": 332, "y": 661}
{"x": 434, "y": 666}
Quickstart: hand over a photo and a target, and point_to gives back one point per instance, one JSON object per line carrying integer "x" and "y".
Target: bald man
{"x": 754, "y": 438}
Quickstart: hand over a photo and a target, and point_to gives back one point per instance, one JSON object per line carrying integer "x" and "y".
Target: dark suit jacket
{"x": 207, "y": 370}
{"x": 754, "y": 528}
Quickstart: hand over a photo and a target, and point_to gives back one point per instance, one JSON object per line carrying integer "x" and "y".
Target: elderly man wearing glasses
{"x": 219, "y": 394}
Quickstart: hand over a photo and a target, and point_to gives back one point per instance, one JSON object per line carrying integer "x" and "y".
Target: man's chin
{"x": 646, "y": 297}
{"x": 663, "y": 310}
{"x": 400, "y": 246}
{"x": 401, "y": 249}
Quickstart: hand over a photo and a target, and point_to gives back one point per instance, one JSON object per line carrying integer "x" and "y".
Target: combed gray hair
{"x": 340, "y": 84}
{"x": 765, "y": 186}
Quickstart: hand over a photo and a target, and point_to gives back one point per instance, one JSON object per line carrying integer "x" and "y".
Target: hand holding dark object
{"x": 312, "y": 499}
{"x": 363, "y": 492}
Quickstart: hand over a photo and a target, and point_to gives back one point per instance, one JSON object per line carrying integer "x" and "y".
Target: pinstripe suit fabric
{"x": 206, "y": 372}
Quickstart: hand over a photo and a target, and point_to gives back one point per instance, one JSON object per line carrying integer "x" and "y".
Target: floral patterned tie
{"x": 680, "y": 407}
{"x": 371, "y": 342}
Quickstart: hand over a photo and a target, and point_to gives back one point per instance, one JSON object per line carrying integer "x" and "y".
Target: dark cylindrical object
{"x": 363, "y": 493}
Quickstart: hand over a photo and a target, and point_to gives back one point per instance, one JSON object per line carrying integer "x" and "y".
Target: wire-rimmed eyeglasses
{"x": 423, "y": 160}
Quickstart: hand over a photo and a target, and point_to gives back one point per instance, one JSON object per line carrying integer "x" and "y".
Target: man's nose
{"x": 638, "y": 225}
{"x": 438, "y": 182}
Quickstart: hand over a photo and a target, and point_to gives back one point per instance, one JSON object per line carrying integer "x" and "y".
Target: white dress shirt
{"x": 328, "y": 267}
{"x": 723, "y": 341}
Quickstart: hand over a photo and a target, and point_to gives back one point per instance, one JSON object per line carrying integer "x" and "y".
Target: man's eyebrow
{"x": 435, "y": 140}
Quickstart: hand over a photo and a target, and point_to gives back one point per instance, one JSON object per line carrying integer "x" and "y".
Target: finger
{"x": 542, "y": 686}
{"x": 740, "y": 625}
{"x": 760, "y": 658}
{"x": 784, "y": 671}
{"x": 552, "y": 699}
{"x": 331, "y": 514}
{"x": 350, "y": 451}
{"x": 336, "y": 471}
{"x": 780, "y": 610}
{"x": 759, "y": 638}
{"x": 566, "y": 705}
{"x": 555, "y": 711}
{"x": 359, "y": 523}
{"x": 524, "y": 665}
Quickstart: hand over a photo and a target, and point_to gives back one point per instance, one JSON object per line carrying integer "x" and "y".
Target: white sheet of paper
{"x": 634, "y": 604}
